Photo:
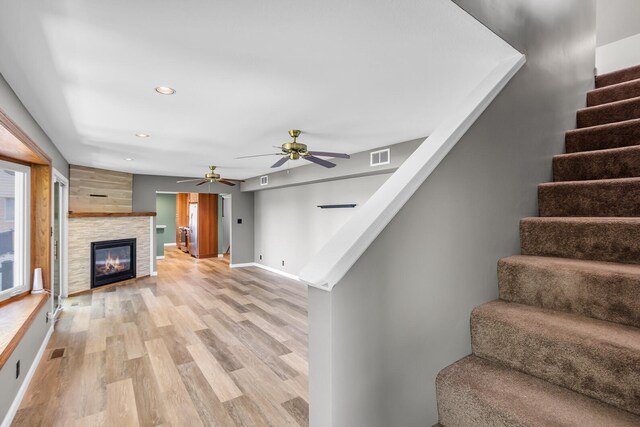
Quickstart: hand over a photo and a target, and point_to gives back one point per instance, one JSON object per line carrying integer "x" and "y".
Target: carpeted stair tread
{"x": 612, "y": 112}
{"x": 601, "y": 290}
{"x": 612, "y": 135}
{"x": 612, "y": 93}
{"x": 593, "y": 357}
{"x": 474, "y": 392}
{"x": 601, "y": 164}
{"x": 598, "y": 239}
{"x": 618, "y": 76}
{"x": 595, "y": 198}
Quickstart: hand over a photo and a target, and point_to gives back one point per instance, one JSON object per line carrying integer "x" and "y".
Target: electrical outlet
{"x": 260, "y": 257}
{"x": 17, "y": 369}
{"x": 239, "y": 220}
{"x": 283, "y": 263}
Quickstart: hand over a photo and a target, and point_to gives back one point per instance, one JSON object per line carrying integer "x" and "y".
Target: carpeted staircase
{"x": 561, "y": 347}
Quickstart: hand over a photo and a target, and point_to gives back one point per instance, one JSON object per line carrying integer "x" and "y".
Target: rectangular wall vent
{"x": 381, "y": 157}
{"x": 264, "y": 180}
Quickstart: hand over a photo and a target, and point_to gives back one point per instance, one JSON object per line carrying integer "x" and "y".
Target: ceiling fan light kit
{"x": 295, "y": 150}
{"x": 212, "y": 177}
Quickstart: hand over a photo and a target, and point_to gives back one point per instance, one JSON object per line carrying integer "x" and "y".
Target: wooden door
{"x": 207, "y": 225}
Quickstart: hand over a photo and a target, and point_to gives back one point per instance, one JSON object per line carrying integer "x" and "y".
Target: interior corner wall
{"x": 12, "y": 106}
{"x": 402, "y": 312}
{"x": 166, "y": 216}
{"x": 289, "y": 226}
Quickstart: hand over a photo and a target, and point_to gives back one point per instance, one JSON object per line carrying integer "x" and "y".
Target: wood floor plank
{"x": 178, "y": 406}
{"x": 132, "y": 342}
{"x": 199, "y": 344}
{"x": 299, "y": 409}
{"x": 221, "y": 383}
{"x": 121, "y": 404}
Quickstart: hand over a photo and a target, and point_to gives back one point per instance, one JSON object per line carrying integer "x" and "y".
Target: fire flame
{"x": 112, "y": 264}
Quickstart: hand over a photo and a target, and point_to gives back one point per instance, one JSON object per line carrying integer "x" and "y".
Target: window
{"x": 14, "y": 229}
{"x": 381, "y": 157}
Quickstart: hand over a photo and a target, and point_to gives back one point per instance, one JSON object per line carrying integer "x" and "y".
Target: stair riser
{"x": 614, "y": 93}
{"x": 619, "y": 76}
{"x": 606, "y": 164}
{"x": 604, "y": 295}
{"x": 612, "y": 242}
{"x": 624, "y": 134}
{"x": 606, "y": 373}
{"x": 590, "y": 199}
{"x": 610, "y": 113}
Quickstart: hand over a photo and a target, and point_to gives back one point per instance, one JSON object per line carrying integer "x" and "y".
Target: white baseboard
{"x": 220, "y": 255}
{"x": 244, "y": 265}
{"x": 169, "y": 244}
{"x": 8, "y": 419}
{"x": 160, "y": 257}
{"x": 264, "y": 267}
{"x": 153, "y": 273}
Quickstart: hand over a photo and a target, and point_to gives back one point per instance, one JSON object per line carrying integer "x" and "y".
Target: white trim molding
{"x": 160, "y": 257}
{"x": 264, "y": 267}
{"x": 346, "y": 246}
{"x": 170, "y": 244}
{"x": 11, "y": 413}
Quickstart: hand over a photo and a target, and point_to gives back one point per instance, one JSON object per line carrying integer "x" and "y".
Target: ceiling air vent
{"x": 380, "y": 157}
{"x": 264, "y": 180}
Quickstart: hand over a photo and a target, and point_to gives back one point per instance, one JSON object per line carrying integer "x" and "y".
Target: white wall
{"x": 289, "y": 226}
{"x": 618, "y": 34}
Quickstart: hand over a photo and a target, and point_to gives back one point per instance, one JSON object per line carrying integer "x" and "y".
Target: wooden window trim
{"x": 18, "y": 312}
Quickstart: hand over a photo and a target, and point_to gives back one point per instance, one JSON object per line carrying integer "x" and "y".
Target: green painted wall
{"x": 165, "y": 215}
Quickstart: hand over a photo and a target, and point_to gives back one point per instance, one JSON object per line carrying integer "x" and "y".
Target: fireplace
{"x": 112, "y": 261}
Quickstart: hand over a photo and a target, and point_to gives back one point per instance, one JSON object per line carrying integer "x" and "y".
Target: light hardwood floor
{"x": 197, "y": 345}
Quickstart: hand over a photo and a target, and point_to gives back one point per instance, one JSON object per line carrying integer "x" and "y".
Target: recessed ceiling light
{"x": 165, "y": 90}
{"x": 143, "y": 135}
{"x": 128, "y": 159}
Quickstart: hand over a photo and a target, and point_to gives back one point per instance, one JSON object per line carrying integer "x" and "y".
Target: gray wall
{"x": 290, "y": 227}
{"x": 144, "y": 200}
{"x": 616, "y": 20}
{"x": 32, "y": 340}
{"x": 12, "y": 107}
{"x": 402, "y": 313}
{"x": 225, "y": 235}
{"x": 25, "y": 352}
{"x": 357, "y": 165}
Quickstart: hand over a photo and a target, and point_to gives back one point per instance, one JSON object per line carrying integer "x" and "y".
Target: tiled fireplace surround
{"x": 84, "y": 230}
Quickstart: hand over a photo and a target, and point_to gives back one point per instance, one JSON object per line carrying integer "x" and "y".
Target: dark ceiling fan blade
{"x": 259, "y": 155}
{"x": 328, "y": 154}
{"x": 204, "y": 181}
{"x": 280, "y": 162}
{"x": 223, "y": 181}
{"x": 234, "y": 180}
{"x": 188, "y": 180}
{"x": 319, "y": 161}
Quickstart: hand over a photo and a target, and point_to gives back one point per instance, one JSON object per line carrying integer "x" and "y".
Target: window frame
{"x": 22, "y": 237}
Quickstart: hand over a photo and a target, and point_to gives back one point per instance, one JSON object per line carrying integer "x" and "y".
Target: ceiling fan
{"x": 212, "y": 177}
{"x": 294, "y": 150}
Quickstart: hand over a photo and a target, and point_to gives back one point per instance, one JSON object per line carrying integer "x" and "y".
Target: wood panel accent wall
{"x": 207, "y": 225}
{"x": 182, "y": 213}
{"x": 41, "y": 178}
{"x": 99, "y": 190}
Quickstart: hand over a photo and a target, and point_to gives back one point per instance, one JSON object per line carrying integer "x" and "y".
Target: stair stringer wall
{"x": 401, "y": 313}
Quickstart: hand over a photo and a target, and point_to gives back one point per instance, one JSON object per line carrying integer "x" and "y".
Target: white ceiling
{"x": 353, "y": 75}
